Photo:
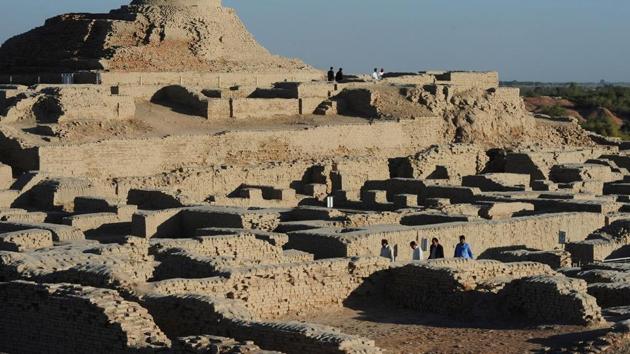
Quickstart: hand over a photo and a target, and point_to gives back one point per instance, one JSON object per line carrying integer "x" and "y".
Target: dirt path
{"x": 399, "y": 331}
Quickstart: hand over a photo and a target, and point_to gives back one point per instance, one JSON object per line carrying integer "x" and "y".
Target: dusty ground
{"x": 400, "y": 331}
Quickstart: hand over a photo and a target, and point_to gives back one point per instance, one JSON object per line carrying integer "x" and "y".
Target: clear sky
{"x": 538, "y": 40}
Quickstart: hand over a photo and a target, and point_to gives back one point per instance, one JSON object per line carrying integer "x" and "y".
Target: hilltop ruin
{"x": 168, "y": 185}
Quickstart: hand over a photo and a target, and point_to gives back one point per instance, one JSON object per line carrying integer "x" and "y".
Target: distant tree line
{"x": 614, "y": 98}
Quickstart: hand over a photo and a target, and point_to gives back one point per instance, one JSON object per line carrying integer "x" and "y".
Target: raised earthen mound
{"x": 148, "y": 35}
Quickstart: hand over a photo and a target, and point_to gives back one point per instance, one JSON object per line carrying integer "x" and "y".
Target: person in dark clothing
{"x": 339, "y": 76}
{"x": 436, "y": 251}
{"x": 331, "y": 74}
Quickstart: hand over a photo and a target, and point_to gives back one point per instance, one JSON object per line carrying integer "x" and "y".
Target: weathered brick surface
{"x": 66, "y": 318}
{"x": 274, "y": 291}
{"x": 550, "y": 299}
{"x": 517, "y": 290}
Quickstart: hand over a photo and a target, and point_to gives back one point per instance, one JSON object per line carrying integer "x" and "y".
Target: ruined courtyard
{"x": 168, "y": 185}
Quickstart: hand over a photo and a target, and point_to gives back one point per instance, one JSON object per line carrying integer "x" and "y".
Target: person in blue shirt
{"x": 463, "y": 250}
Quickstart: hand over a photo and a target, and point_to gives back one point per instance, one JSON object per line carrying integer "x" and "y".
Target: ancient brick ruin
{"x": 167, "y": 185}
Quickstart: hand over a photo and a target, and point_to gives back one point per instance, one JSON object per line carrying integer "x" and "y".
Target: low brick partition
{"x": 611, "y": 294}
{"x": 259, "y": 108}
{"x": 275, "y": 291}
{"x": 59, "y": 232}
{"x": 536, "y": 232}
{"x": 182, "y": 222}
{"x": 117, "y": 265}
{"x": 243, "y": 245}
{"x": 24, "y": 240}
{"x": 66, "y": 318}
{"x": 208, "y": 256}
{"x": 212, "y": 344}
{"x": 188, "y": 315}
{"x": 611, "y": 241}
{"x": 491, "y": 289}
{"x": 550, "y": 299}
{"x": 555, "y": 259}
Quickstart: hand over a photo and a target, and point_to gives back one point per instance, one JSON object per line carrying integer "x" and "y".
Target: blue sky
{"x": 542, "y": 40}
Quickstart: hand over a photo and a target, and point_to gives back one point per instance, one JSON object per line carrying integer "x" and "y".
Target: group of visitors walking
{"x": 436, "y": 251}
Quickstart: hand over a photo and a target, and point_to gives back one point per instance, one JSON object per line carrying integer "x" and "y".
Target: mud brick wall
{"x": 142, "y": 157}
{"x": 595, "y": 250}
{"x": 177, "y": 263}
{"x": 536, "y": 232}
{"x": 200, "y": 217}
{"x": 65, "y": 318}
{"x": 59, "y": 232}
{"x": 241, "y": 246}
{"x": 484, "y": 80}
{"x": 299, "y": 338}
{"x": 611, "y": 294}
{"x": 208, "y": 80}
{"x": 259, "y": 108}
{"x": 130, "y": 261}
{"x": 538, "y": 164}
{"x": 193, "y": 314}
{"x": 550, "y": 299}
{"x": 554, "y": 259}
{"x": 448, "y": 286}
{"x": 182, "y": 222}
{"x": 186, "y": 315}
{"x": 273, "y": 291}
{"x": 213, "y": 344}
{"x": 20, "y": 241}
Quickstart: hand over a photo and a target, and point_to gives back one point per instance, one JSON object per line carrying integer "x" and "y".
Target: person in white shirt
{"x": 375, "y": 75}
{"x": 416, "y": 252}
{"x": 386, "y": 250}
{"x": 381, "y": 74}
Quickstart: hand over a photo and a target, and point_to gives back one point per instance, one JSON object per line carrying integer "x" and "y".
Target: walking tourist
{"x": 386, "y": 250}
{"x": 436, "y": 251}
{"x": 463, "y": 250}
{"x": 331, "y": 74}
{"x": 339, "y": 76}
{"x": 375, "y": 75}
{"x": 416, "y": 252}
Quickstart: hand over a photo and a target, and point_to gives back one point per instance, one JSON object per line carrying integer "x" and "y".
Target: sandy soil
{"x": 400, "y": 331}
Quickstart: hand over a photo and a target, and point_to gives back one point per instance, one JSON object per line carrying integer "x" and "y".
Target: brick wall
{"x": 64, "y": 318}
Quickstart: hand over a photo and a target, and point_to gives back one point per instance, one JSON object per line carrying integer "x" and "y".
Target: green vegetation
{"x": 588, "y": 98}
{"x": 603, "y": 125}
{"x": 554, "y": 111}
{"x": 614, "y": 98}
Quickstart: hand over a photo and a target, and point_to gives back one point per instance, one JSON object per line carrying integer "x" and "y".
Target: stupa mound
{"x": 148, "y": 35}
